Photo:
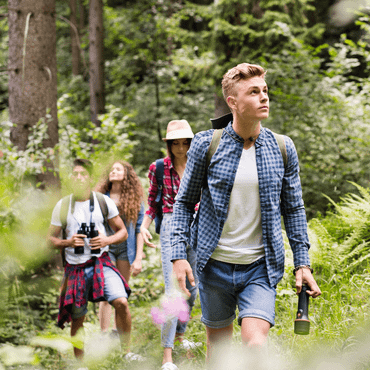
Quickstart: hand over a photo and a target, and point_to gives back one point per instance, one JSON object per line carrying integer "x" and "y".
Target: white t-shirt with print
{"x": 241, "y": 239}
{"x": 82, "y": 214}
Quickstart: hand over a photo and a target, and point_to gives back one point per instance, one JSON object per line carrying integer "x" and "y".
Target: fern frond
{"x": 355, "y": 264}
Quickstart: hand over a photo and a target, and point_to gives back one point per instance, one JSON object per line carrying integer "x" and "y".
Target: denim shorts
{"x": 225, "y": 286}
{"x": 113, "y": 289}
{"x": 118, "y": 252}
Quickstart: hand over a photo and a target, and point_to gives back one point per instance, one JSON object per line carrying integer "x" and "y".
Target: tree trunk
{"x": 33, "y": 73}
{"x": 221, "y": 107}
{"x": 96, "y": 54}
{"x": 81, "y": 16}
{"x": 75, "y": 38}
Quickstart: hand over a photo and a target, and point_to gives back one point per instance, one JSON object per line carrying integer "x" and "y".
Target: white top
{"x": 82, "y": 214}
{"x": 241, "y": 239}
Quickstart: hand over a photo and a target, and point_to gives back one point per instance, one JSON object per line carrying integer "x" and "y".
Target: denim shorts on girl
{"x": 223, "y": 287}
{"x": 118, "y": 252}
{"x": 113, "y": 289}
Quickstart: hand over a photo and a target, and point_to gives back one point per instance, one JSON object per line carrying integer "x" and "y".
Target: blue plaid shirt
{"x": 280, "y": 194}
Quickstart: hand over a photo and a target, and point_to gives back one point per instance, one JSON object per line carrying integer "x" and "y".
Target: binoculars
{"x": 302, "y": 323}
{"x": 90, "y": 233}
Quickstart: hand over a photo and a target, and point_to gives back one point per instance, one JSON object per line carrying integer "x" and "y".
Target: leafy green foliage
{"x": 165, "y": 71}
{"x": 23, "y": 164}
{"x": 326, "y": 117}
{"x": 346, "y": 229}
{"x": 246, "y": 30}
{"x": 148, "y": 286}
{"x": 113, "y": 136}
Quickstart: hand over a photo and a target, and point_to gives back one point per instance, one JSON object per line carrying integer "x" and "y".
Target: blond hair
{"x": 233, "y": 76}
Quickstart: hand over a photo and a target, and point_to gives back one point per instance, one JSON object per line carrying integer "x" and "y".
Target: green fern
{"x": 348, "y": 230}
{"x": 324, "y": 246}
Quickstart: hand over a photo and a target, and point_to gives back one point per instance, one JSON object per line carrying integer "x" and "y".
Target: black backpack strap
{"x": 159, "y": 170}
{"x": 281, "y": 142}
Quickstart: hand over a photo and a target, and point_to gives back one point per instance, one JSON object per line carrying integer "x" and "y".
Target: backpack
{"x": 159, "y": 163}
{"x": 221, "y": 122}
{"x": 216, "y": 138}
{"x": 64, "y": 213}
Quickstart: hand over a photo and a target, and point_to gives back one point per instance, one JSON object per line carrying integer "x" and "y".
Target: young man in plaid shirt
{"x": 237, "y": 231}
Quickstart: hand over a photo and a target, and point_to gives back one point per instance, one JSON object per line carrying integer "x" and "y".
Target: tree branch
{"x": 78, "y": 40}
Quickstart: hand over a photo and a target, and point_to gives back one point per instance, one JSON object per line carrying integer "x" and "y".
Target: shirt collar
{"x": 229, "y": 129}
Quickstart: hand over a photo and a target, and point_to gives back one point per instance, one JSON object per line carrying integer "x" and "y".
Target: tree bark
{"x": 81, "y": 18}
{"x": 75, "y": 39}
{"x": 33, "y": 73}
{"x": 96, "y": 55}
{"x": 221, "y": 107}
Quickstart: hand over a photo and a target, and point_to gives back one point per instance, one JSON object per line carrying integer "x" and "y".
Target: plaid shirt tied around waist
{"x": 280, "y": 194}
{"x": 74, "y": 286}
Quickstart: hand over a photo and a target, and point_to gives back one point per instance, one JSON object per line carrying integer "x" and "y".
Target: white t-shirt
{"x": 241, "y": 239}
{"x": 82, "y": 214}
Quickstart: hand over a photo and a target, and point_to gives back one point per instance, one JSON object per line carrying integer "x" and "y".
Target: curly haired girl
{"x": 120, "y": 182}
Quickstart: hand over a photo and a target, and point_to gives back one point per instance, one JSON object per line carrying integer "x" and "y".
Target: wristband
{"x": 302, "y": 267}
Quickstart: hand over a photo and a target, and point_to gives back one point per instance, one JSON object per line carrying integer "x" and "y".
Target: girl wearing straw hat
{"x": 178, "y": 139}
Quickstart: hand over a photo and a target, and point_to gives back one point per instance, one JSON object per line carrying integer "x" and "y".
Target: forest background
{"x": 97, "y": 79}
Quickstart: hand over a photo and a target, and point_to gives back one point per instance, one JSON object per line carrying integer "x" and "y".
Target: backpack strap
{"x": 281, "y": 142}
{"x": 63, "y": 213}
{"x": 216, "y": 138}
{"x": 104, "y": 208}
{"x": 159, "y": 170}
{"x": 63, "y": 218}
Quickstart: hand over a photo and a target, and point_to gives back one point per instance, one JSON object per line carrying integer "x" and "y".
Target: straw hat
{"x": 178, "y": 129}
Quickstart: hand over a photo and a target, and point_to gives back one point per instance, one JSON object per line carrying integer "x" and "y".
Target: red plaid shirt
{"x": 74, "y": 286}
{"x": 171, "y": 184}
